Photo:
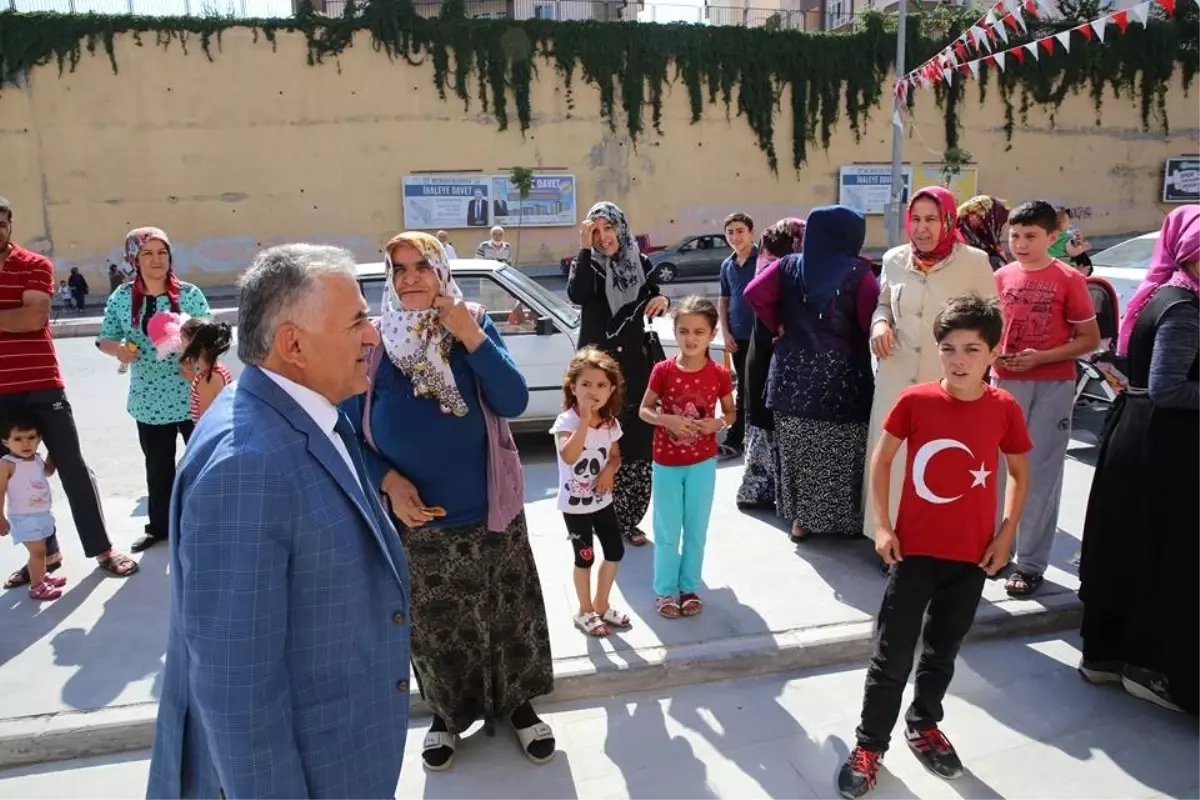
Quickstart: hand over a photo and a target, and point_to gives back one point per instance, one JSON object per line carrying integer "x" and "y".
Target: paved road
{"x": 1023, "y": 722}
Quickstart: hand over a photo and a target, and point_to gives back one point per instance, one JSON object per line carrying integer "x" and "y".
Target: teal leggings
{"x": 683, "y": 498}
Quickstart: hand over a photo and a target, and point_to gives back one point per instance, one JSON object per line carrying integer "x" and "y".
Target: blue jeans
{"x": 683, "y": 498}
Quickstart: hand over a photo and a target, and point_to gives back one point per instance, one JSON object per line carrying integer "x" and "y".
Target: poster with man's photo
{"x": 447, "y": 201}
{"x": 551, "y": 202}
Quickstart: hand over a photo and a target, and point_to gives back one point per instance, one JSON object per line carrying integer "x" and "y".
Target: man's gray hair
{"x": 283, "y": 285}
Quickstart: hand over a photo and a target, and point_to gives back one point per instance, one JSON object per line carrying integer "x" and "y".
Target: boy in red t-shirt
{"x": 1049, "y": 321}
{"x": 680, "y": 403}
{"x": 945, "y": 541}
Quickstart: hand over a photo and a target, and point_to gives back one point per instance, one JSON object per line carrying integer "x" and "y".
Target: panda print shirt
{"x": 577, "y": 482}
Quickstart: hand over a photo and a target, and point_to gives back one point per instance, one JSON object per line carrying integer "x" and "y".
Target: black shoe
{"x": 1146, "y": 685}
{"x": 934, "y": 750}
{"x": 858, "y": 775}
{"x": 1097, "y": 672}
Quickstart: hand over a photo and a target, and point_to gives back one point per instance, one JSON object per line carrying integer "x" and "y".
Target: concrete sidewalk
{"x": 81, "y": 675}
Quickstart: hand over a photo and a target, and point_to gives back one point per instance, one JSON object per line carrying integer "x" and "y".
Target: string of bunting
{"x": 983, "y": 37}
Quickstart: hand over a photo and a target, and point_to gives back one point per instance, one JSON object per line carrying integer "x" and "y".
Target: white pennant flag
{"x": 897, "y": 120}
{"x": 1064, "y": 39}
{"x": 1098, "y": 27}
{"x": 948, "y": 75}
{"x": 1001, "y": 32}
{"x": 1140, "y": 12}
{"x": 1046, "y": 10}
{"x": 1000, "y": 60}
{"x": 981, "y": 39}
{"x": 1032, "y": 47}
{"x": 974, "y": 65}
{"x": 1019, "y": 18}
{"x": 990, "y": 19}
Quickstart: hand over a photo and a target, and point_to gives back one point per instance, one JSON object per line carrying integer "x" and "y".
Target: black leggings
{"x": 603, "y": 525}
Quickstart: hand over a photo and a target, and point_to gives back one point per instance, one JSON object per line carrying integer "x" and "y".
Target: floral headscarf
{"x": 416, "y": 341}
{"x": 783, "y": 238}
{"x": 981, "y": 222}
{"x": 135, "y": 240}
{"x": 949, "y": 235}
{"x": 1178, "y": 243}
{"x": 623, "y": 273}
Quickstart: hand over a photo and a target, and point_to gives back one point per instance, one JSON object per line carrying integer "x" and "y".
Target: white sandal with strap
{"x": 615, "y": 618}
{"x": 591, "y": 624}
{"x": 435, "y": 740}
{"x": 537, "y": 732}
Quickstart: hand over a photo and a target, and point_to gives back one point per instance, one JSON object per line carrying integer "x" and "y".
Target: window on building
{"x": 544, "y": 11}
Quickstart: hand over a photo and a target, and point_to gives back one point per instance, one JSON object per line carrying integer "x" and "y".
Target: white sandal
{"x": 434, "y": 740}
{"x": 615, "y": 618}
{"x": 591, "y": 624}
{"x": 537, "y": 732}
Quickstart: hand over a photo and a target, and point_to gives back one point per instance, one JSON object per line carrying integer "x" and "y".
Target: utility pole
{"x": 895, "y": 208}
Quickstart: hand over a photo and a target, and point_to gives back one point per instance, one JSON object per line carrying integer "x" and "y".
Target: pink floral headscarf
{"x": 1178, "y": 243}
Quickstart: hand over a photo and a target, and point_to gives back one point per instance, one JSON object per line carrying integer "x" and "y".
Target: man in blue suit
{"x": 288, "y": 659}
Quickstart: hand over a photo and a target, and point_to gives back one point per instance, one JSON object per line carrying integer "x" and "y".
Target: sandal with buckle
{"x": 20, "y": 577}
{"x": 538, "y": 732}
{"x": 615, "y": 618}
{"x": 667, "y": 607}
{"x": 591, "y": 624}
{"x": 1022, "y": 584}
{"x": 690, "y": 604}
{"x": 436, "y": 740}
{"x": 45, "y": 591}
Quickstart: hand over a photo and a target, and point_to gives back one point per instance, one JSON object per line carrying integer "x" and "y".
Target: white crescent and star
{"x": 921, "y": 463}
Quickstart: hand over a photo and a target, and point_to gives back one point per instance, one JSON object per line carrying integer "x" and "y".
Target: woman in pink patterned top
{"x": 203, "y": 342}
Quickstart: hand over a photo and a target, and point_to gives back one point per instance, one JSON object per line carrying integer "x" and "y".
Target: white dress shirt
{"x": 322, "y": 412}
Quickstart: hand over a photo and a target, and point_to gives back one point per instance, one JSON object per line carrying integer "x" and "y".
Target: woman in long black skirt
{"x": 760, "y": 477}
{"x": 1141, "y": 625}
{"x": 614, "y": 286}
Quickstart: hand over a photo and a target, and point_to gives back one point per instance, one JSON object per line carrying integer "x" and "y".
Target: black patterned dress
{"x": 820, "y": 388}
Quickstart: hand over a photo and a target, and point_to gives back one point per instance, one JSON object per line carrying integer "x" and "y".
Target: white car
{"x": 539, "y": 327}
{"x": 1124, "y": 265}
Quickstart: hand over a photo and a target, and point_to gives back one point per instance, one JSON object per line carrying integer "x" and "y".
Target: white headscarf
{"x": 415, "y": 341}
{"x": 623, "y": 273}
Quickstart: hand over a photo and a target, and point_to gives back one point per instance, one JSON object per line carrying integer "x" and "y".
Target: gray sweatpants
{"x": 1048, "y": 406}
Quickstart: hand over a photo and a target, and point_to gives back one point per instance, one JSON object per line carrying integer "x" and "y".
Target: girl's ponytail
{"x": 208, "y": 340}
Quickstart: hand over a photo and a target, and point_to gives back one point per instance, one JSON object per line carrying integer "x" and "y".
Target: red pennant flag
{"x": 1031, "y": 8}
{"x": 990, "y": 60}
{"x": 1018, "y": 53}
{"x": 1086, "y": 30}
{"x": 1122, "y": 20}
{"x": 1047, "y": 45}
{"x": 1011, "y": 22}
{"x": 964, "y": 69}
{"x": 1168, "y": 6}
{"x": 961, "y": 50}
{"x": 991, "y": 34}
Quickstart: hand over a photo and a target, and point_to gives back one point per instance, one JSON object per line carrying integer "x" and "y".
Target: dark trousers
{"x": 78, "y": 296}
{"x": 737, "y": 431}
{"x": 158, "y": 447}
{"x": 57, "y": 425}
{"x": 941, "y": 594}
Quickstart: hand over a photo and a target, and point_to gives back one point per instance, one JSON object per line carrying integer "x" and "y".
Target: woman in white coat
{"x": 917, "y": 280}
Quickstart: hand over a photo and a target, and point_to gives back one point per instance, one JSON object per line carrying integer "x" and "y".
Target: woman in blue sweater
{"x": 440, "y": 451}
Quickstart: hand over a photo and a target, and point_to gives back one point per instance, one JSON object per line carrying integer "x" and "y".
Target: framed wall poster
{"x": 867, "y": 188}
{"x": 1181, "y": 180}
{"x": 551, "y": 202}
{"x": 447, "y": 201}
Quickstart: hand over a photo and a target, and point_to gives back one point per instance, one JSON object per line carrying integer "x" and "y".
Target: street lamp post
{"x": 896, "y": 206}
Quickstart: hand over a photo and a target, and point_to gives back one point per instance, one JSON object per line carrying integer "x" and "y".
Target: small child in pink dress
{"x": 203, "y": 342}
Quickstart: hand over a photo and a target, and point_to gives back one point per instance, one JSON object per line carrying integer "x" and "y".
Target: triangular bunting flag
{"x": 1098, "y": 27}
{"x": 1011, "y": 21}
{"x": 949, "y": 76}
{"x": 1033, "y": 51}
{"x": 990, "y": 19}
{"x": 1168, "y": 6}
{"x": 1019, "y": 54}
{"x": 1064, "y": 39}
{"x": 897, "y": 120}
{"x": 1020, "y": 20}
{"x": 1031, "y": 8}
{"x": 1001, "y": 32}
{"x": 1012, "y": 6}
{"x": 1140, "y": 12}
{"x": 989, "y": 60}
{"x": 960, "y": 50}
{"x": 1000, "y": 60}
{"x": 1046, "y": 9}
{"x": 1047, "y": 44}
{"x": 1085, "y": 31}
{"x": 974, "y": 65}
{"x": 1122, "y": 20}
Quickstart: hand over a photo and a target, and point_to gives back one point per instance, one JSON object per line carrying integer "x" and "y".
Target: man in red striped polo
{"x": 30, "y": 379}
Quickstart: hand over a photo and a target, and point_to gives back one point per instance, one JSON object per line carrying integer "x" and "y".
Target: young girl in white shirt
{"x": 588, "y": 457}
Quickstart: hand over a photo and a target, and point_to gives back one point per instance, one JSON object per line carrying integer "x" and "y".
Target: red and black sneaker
{"x": 858, "y": 775}
{"x": 935, "y": 751}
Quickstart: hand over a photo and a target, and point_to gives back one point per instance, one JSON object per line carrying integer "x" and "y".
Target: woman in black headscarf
{"x": 614, "y": 286}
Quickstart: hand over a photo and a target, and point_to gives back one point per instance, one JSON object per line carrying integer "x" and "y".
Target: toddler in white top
{"x": 587, "y": 434}
{"x": 25, "y": 501}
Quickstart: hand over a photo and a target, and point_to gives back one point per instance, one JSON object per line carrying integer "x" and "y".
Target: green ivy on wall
{"x": 743, "y": 69}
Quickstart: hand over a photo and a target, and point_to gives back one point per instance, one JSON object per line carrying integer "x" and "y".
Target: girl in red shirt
{"x": 680, "y": 402}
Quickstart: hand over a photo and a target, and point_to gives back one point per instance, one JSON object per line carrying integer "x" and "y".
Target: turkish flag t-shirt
{"x": 948, "y": 504}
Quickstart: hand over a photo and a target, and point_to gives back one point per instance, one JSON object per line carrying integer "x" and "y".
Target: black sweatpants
{"x": 737, "y": 431}
{"x": 158, "y": 447}
{"x": 584, "y": 529}
{"x": 941, "y": 594}
{"x": 57, "y": 425}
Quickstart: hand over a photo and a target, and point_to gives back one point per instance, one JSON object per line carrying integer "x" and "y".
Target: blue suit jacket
{"x": 288, "y": 656}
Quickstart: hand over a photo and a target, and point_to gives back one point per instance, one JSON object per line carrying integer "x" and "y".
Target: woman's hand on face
{"x": 657, "y": 306}
{"x": 882, "y": 340}
{"x": 455, "y": 317}
{"x": 586, "y": 231}
{"x": 406, "y": 503}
